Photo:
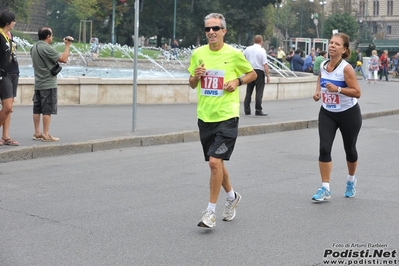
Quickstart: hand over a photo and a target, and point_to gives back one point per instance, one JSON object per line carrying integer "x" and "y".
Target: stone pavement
{"x": 94, "y": 128}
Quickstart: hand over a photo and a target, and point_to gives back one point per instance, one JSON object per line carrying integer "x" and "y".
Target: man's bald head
{"x": 258, "y": 39}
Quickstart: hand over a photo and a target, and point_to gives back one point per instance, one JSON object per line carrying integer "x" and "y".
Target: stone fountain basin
{"x": 82, "y": 89}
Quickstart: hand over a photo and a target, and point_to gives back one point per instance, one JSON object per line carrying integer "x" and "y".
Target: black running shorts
{"x": 218, "y": 138}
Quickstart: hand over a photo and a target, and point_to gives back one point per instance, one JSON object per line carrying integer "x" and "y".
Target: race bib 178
{"x": 212, "y": 83}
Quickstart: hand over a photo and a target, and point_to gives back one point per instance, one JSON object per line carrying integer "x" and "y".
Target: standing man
{"x": 280, "y": 56}
{"x": 359, "y": 63}
{"x": 256, "y": 55}
{"x": 175, "y": 48}
{"x": 9, "y": 75}
{"x": 317, "y": 62}
{"x": 216, "y": 72}
{"x": 44, "y": 57}
{"x": 297, "y": 61}
{"x": 308, "y": 64}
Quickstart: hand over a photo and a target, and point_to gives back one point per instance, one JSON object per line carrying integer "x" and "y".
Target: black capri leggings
{"x": 349, "y": 123}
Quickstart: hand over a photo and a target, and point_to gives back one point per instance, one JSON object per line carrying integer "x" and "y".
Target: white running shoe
{"x": 230, "y": 208}
{"x": 208, "y": 219}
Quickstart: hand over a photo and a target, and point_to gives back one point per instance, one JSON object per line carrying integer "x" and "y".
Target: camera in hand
{"x": 70, "y": 39}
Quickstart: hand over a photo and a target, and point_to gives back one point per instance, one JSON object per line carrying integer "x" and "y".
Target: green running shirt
{"x": 214, "y": 103}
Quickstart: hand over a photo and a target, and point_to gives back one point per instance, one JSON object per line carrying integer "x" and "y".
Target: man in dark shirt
{"x": 297, "y": 61}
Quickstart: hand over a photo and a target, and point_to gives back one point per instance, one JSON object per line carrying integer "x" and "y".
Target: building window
{"x": 389, "y": 7}
{"x": 389, "y": 30}
{"x": 375, "y": 28}
{"x": 362, "y": 8}
{"x": 376, "y": 7}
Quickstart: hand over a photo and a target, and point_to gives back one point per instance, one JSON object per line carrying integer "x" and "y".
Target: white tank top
{"x": 334, "y": 101}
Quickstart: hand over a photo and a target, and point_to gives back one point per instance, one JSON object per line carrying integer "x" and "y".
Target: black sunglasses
{"x": 214, "y": 28}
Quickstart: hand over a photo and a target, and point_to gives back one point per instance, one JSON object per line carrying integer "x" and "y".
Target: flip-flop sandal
{"x": 1, "y": 142}
{"x": 10, "y": 142}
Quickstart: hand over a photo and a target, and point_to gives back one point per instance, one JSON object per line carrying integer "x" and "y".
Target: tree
{"x": 21, "y": 8}
{"x": 83, "y": 9}
{"x": 157, "y": 19}
{"x": 271, "y": 22}
{"x": 198, "y": 10}
{"x": 60, "y": 20}
{"x": 247, "y": 18}
{"x": 285, "y": 20}
{"x": 343, "y": 23}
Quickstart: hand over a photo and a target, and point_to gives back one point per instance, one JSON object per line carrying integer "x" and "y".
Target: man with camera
{"x": 45, "y": 60}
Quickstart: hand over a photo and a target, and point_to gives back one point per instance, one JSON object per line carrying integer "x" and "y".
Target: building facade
{"x": 378, "y": 19}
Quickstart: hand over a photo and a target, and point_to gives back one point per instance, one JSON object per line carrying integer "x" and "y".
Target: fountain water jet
{"x": 110, "y": 80}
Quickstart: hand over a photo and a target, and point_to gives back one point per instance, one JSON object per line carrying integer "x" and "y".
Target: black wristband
{"x": 240, "y": 81}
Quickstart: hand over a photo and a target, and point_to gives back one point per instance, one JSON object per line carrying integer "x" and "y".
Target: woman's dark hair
{"x": 43, "y": 33}
{"x": 345, "y": 39}
{"x": 322, "y": 53}
{"x": 6, "y": 17}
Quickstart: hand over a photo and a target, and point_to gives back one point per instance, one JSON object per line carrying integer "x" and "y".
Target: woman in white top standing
{"x": 374, "y": 64}
{"x": 338, "y": 88}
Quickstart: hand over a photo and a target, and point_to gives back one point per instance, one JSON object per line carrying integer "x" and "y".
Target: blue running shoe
{"x": 350, "y": 189}
{"x": 322, "y": 194}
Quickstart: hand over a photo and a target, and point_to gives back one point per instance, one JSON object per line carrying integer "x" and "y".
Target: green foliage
{"x": 343, "y": 23}
{"x": 244, "y": 19}
{"x": 274, "y": 42}
{"x": 83, "y": 9}
{"x": 21, "y": 8}
{"x": 270, "y": 14}
{"x": 157, "y": 19}
{"x": 302, "y": 25}
{"x": 285, "y": 20}
{"x": 352, "y": 57}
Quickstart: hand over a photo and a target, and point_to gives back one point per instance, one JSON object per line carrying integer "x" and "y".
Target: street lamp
{"x": 322, "y": 3}
{"x": 367, "y": 12}
{"x": 174, "y": 22}
{"x": 277, "y": 30}
{"x": 113, "y": 28}
{"x": 315, "y": 18}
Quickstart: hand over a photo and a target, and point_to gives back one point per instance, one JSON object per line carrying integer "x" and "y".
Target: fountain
{"x": 88, "y": 79}
{"x": 86, "y": 64}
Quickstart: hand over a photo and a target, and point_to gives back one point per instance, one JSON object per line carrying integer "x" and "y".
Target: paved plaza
{"x": 90, "y": 128}
{"x": 140, "y": 205}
